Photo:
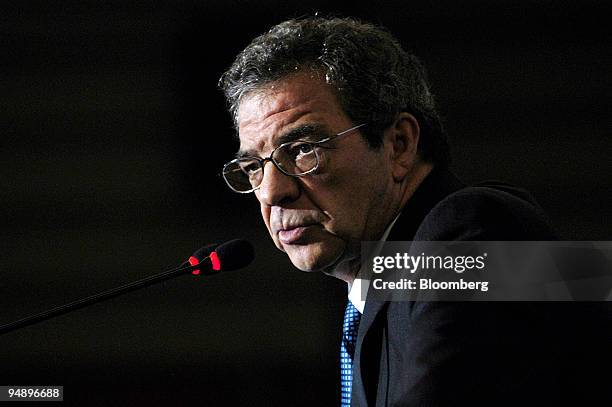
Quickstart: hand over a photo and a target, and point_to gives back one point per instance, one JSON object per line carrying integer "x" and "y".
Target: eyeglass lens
{"x": 294, "y": 158}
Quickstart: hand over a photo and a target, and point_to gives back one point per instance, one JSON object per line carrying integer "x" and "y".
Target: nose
{"x": 277, "y": 188}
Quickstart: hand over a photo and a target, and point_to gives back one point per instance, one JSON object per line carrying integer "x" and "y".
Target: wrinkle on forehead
{"x": 268, "y": 112}
{"x": 264, "y": 116}
{"x": 263, "y": 135}
{"x": 271, "y": 92}
{"x": 258, "y": 112}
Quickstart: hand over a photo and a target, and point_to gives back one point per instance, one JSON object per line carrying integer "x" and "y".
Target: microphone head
{"x": 200, "y": 255}
{"x": 203, "y": 252}
{"x": 233, "y": 255}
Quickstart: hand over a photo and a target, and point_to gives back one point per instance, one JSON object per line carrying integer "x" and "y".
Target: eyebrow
{"x": 305, "y": 132}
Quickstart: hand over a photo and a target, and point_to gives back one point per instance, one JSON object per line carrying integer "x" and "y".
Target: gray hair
{"x": 374, "y": 78}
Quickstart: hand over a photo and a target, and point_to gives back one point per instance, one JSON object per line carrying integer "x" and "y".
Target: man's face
{"x": 315, "y": 218}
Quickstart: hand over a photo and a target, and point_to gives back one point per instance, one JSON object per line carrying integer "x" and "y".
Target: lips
{"x": 294, "y": 226}
{"x": 294, "y": 235}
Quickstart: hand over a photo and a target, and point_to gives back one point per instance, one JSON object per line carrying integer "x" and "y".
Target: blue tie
{"x": 347, "y": 351}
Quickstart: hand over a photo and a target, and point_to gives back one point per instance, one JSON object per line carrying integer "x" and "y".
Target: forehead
{"x": 266, "y": 114}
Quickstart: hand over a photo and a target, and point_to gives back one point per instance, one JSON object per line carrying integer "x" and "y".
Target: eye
{"x": 250, "y": 167}
{"x": 296, "y": 150}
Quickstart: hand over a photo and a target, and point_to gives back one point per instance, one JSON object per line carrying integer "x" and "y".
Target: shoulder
{"x": 486, "y": 211}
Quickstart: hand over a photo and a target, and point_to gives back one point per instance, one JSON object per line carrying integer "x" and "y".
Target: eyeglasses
{"x": 295, "y": 159}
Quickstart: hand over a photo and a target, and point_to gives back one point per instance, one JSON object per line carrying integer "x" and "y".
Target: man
{"x": 341, "y": 143}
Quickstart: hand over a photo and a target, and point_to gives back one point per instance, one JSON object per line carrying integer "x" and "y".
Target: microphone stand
{"x": 104, "y": 295}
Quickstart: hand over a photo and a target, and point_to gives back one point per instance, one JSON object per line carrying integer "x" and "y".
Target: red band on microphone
{"x": 194, "y": 262}
{"x": 216, "y": 263}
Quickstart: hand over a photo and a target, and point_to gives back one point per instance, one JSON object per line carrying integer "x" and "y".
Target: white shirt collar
{"x": 359, "y": 289}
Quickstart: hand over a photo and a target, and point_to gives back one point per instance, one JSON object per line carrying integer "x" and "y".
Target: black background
{"x": 113, "y": 133}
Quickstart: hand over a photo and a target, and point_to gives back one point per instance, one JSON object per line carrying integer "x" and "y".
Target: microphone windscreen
{"x": 204, "y": 252}
{"x": 235, "y": 254}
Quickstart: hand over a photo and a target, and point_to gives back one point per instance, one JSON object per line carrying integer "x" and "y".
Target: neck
{"x": 347, "y": 267}
{"x": 421, "y": 171}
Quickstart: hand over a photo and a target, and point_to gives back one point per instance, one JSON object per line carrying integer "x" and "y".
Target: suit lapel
{"x": 366, "y": 363}
{"x": 369, "y": 347}
{"x": 438, "y": 185}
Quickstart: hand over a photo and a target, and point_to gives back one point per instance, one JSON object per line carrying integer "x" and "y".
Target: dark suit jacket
{"x": 462, "y": 353}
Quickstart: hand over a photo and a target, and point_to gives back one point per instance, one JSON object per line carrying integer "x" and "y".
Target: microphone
{"x": 210, "y": 259}
{"x": 199, "y": 256}
{"x": 232, "y": 255}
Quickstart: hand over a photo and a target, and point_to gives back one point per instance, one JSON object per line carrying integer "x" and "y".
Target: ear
{"x": 402, "y": 139}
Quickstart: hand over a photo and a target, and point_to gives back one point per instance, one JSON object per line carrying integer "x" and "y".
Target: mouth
{"x": 295, "y": 235}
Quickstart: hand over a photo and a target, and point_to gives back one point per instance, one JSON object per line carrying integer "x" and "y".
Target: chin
{"x": 314, "y": 256}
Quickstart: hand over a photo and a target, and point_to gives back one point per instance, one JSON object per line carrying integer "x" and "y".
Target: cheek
{"x": 339, "y": 201}
{"x": 347, "y": 195}
{"x": 265, "y": 214}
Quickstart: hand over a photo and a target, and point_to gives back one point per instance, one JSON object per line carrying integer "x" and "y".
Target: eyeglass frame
{"x": 262, "y": 161}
